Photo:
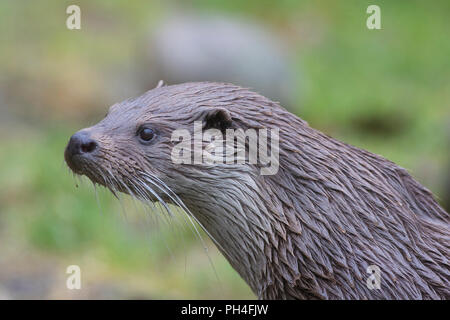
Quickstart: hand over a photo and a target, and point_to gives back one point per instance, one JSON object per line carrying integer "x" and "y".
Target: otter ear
{"x": 217, "y": 118}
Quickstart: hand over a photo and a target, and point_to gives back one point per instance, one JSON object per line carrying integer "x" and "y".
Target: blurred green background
{"x": 387, "y": 91}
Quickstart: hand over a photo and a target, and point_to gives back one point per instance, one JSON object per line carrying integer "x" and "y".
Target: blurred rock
{"x": 219, "y": 48}
{"x": 4, "y": 295}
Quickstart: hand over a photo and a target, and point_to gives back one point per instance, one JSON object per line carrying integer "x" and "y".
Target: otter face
{"x": 130, "y": 150}
{"x": 123, "y": 151}
{"x": 148, "y": 146}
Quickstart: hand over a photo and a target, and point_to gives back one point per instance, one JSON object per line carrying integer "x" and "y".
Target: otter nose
{"x": 81, "y": 143}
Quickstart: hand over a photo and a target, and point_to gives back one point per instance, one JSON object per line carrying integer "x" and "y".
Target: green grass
{"x": 387, "y": 91}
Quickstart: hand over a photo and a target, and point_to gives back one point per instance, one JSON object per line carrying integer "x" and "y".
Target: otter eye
{"x": 146, "y": 134}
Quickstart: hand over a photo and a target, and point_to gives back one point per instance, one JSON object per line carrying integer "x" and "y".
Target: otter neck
{"x": 238, "y": 220}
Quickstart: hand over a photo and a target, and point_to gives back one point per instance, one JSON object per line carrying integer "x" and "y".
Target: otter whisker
{"x": 136, "y": 193}
{"x": 177, "y": 208}
{"x": 181, "y": 204}
{"x": 172, "y": 195}
{"x": 97, "y": 198}
{"x": 110, "y": 184}
{"x": 155, "y": 194}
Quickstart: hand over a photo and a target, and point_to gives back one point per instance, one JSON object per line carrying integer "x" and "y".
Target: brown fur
{"x": 308, "y": 232}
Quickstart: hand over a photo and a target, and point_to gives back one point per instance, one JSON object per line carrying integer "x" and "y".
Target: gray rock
{"x": 219, "y": 48}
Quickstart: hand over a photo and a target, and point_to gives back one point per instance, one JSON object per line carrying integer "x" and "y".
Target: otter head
{"x": 135, "y": 150}
{"x": 132, "y": 149}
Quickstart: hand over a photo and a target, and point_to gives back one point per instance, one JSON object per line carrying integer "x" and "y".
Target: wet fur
{"x": 308, "y": 232}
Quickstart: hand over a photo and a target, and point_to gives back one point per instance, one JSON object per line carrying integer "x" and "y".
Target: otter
{"x": 316, "y": 229}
